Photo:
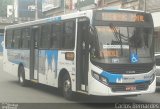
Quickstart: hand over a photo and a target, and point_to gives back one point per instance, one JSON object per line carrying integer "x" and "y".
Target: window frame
{"x": 41, "y": 36}
{"x": 15, "y": 32}
{"x": 22, "y": 33}
{"x": 6, "y": 38}
{"x": 74, "y": 34}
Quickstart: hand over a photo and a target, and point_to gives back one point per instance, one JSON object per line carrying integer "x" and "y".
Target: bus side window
{"x": 45, "y": 36}
{"x": 55, "y": 36}
{"x": 9, "y": 35}
{"x": 17, "y": 39}
{"x": 26, "y": 38}
{"x": 69, "y": 35}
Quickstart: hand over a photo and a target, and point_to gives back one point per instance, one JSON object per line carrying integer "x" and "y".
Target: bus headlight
{"x": 99, "y": 78}
{"x": 152, "y": 78}
{"x": 95, "y": 75}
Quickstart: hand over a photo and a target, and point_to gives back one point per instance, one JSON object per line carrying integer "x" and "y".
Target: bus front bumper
{"x": 99, "y": 89}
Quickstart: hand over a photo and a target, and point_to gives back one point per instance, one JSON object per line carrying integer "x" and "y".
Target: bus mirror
{"x": 91, "y": 35}
{"x": 91, "y": 30}
{"x": 69, "y": 56}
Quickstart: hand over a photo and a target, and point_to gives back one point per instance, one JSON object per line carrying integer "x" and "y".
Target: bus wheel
{"x": 67, "y": 90}
{"x": 21, "y": 76}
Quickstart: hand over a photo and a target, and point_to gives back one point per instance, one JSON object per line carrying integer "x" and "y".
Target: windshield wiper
{"x": 93, "y": 42}
{"x": 114, "y": 30}
{"x": 118, "y": 36}
{"x": 134, "y": 41}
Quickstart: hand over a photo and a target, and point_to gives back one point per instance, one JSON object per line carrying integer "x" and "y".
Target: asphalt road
{"x": 12, "y": 92}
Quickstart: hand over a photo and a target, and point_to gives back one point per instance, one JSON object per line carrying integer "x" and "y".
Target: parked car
{"x": 157, "y": 56}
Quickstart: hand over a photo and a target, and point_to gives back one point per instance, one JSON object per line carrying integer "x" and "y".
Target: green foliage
{"x": 3, "y": 7}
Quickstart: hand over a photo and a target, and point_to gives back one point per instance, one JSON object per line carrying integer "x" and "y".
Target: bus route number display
{"x": 129, "y": 17}
{"x": 109, "y": 53}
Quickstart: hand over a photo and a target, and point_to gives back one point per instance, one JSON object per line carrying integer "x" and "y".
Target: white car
{"x": 157, "y": 56}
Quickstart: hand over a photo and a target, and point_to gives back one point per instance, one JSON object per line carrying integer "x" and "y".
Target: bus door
{"x": 35, "y": 32}
{"x": 82, "y": 56}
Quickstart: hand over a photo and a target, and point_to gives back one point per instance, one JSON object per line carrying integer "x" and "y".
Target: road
{"x": 12, "y": 92}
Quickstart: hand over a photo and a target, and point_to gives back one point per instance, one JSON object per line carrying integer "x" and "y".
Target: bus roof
{"x": 64, "y": 17}
{"x": 121, "y": 9}
{"x": 52, "y": 19}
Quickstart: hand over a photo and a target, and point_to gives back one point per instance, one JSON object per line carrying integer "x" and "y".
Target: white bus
{"x": 96, "y": 52}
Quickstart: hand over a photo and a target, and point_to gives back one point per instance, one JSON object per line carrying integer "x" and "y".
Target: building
{"x": 4, "y": 20}
{"x": 27, "y": 10}
{"x": 58, "y": 7}
{"x": 20, "y": 11}
{"x": 153, "y": 7}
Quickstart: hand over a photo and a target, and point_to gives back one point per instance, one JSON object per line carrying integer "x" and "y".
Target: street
{"x": 12, "y": 92}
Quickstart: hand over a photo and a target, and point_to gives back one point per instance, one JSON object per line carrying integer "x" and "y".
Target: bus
{"x": 103, "y": 52}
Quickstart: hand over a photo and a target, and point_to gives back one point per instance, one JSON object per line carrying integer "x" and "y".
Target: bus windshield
{"x": 124, "y": 44}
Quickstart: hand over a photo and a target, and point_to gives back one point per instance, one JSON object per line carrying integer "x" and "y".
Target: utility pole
{"x": 64, "y": 6}
{"x": 36, "y": 9}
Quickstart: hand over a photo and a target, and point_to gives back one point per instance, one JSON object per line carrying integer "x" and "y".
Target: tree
{"x": 3, "y": 7}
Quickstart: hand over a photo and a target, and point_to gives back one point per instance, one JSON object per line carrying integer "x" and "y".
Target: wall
{"x": 52, "y": 7}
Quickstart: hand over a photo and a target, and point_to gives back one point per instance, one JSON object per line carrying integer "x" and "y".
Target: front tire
{"x": 21, "y": 76}
{"x": 67, "y": 87}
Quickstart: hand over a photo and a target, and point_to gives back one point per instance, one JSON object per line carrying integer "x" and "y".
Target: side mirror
{"x": 92, "y": 41}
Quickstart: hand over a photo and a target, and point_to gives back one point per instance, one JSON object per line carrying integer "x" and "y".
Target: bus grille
{"x": 122, "y": 88}
{"x": 127, "y": 68}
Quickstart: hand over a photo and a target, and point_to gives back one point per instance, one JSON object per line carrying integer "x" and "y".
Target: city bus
{"x": 105, "y": 52}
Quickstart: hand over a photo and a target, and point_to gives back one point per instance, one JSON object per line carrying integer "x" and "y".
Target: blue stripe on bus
{"x": 110, "y": 9}
{"x": 51, "y": 54}
{"x": 15, "y": 62}
{"x": 115, "y": 78}
{"x": 112, "y": 78}
{"x": 55, "y": 19}
{"x": 18, "y": 62}
{"x": 141, "y": 81}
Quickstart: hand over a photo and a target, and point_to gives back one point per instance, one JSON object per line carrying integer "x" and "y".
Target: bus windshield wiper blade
{"x": 134, "y": 40}
{"x": 118, "y": 37}
{"x": 114, "y": 30}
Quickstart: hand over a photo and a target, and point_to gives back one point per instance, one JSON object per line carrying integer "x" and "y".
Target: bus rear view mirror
{"x": 69, "y": 56}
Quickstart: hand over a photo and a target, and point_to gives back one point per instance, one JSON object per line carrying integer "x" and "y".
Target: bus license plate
{"x": 130, "y": 88}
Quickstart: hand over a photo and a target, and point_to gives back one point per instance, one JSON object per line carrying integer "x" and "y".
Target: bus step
{"x": 34, "y": 81}
{"x": 83, "y": 92}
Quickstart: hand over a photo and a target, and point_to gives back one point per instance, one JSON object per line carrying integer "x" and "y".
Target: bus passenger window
{"x": 9, "y": 35}
{"x": 69, "y": 35}
{"x": 25, "y": 38}
{"x": 55, "y": 36}
{"x": 17, "y": 39}
{"x": 45, "y": 36}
